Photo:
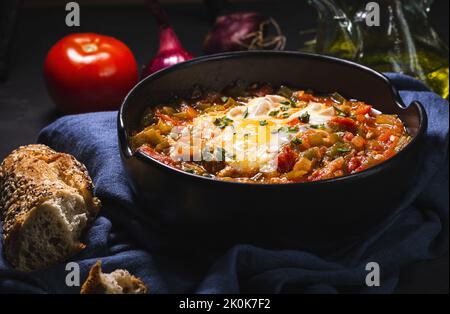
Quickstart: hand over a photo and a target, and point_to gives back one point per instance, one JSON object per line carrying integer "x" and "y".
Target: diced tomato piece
{"x": 385, "y": 135}
{"x": 192, "y": 113}
{"x": 360, "y": 118}
{"x": 375, "y": 145}
{"x": 158, "y": 156}
{"x": 348, "y": 136}
{"x": 328, "y": 171}
{"x": 345, "y": 123}
{"x": 363, "y": 109}
{"x": 389, "y": 153}
{"x": 294, "y": 122}
{"x": 303, "y": 96}
{"x": 353, "y": 164}
{"x": 286, "y": 159}
{"x": 169, "y": 119}
{"x": 360, "y": 168}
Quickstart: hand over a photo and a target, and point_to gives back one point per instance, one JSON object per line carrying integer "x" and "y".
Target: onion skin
{"x": 229, "y": 32}
{"x": 170, "y": 52}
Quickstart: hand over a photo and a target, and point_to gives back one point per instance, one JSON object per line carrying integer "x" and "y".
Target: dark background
{"x": 25, "y": 106}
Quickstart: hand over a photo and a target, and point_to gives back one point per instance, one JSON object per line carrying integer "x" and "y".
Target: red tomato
{"x": 344, "y": 123}
{"x": 155, "y": 155}
{"x": 286, "y": 160}
{"x": 294, "y": 122}
{"x": 348, "y": 136}
{"x": 385, "y": 135}
{"x": 169, "y": 119}
{"x": 363, "y": 109}
{"x": 303, "y": 96}
{"x": 361, "y": 118}
{"x": 89, "y": 72}
{"x": 353, "y": 164}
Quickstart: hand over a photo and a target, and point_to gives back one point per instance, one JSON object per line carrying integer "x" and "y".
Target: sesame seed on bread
{"x": 46, "y": 202}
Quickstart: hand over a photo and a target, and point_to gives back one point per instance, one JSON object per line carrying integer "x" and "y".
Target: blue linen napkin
{"x": 122, "y": 237}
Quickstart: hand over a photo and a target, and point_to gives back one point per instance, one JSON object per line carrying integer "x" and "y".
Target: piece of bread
{"x": 46, "y": 202}
{"x": 119, "y": 281}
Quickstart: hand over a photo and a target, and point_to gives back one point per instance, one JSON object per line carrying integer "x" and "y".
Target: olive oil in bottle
{"x": 401, "y": 40}
{"x": 427, "y": 66}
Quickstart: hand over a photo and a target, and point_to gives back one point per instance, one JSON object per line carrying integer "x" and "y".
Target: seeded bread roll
{"x": 46, "y": 202}
{"x": 118, "y": 282}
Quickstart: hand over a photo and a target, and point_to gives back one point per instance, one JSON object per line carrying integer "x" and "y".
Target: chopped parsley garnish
{"x": 275, "y": 131}
{"x": 283, "y": 128}
{"x": 263, "y": 123}
{"x": 297, "y": 141}
{"x": 286, "y": 129}
{"x": 273, "y": 113}
{"x": 223, "y": 122}
{"x": 190, "y": 170}
{"x": 285, "y": 115}
{"x": 246, "y": 113}
{"x": 304, "y": 117}
{"x": 289, "y": 103}
{"x": 343, "y": 149}
{"x": 285, "y": 108}
{"x": 317, "y": 126}
{"x": 224, "y": 98}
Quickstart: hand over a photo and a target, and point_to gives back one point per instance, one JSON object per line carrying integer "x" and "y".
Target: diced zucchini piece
{"x": 215, "y": 108}
{"x": 386, "y": 119}
{"x": 168, "y": 110}
{"x": 296, "y": 175}
{"x": 312, "y": 153}
{"x": 303, "y": 164}
{"x": 315, "y": 139}
{"x": 338, "y": 98}
{"x": 285, "y": 91}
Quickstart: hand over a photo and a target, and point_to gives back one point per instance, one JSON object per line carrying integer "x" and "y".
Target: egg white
{"x": 249, "y": 144}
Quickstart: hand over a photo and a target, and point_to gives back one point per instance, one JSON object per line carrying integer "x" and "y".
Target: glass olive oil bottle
{"x": 395, "y": 36}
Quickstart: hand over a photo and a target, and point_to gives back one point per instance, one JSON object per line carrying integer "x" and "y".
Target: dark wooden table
{"x": 25, "y": 106}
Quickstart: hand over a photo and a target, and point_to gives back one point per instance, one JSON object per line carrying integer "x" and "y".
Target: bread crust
{"x": 30, "y": 176}
{"x": 95, "y": 284}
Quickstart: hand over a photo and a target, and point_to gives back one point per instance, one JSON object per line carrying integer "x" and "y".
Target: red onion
{"x": 170, "y": 50}
{"x": 243, "y": 31}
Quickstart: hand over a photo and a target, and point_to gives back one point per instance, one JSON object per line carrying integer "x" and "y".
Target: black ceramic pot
{"x": 316, "y": 216}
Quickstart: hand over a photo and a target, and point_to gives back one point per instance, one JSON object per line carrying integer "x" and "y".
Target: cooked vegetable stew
{"x": 267, "y": 135}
